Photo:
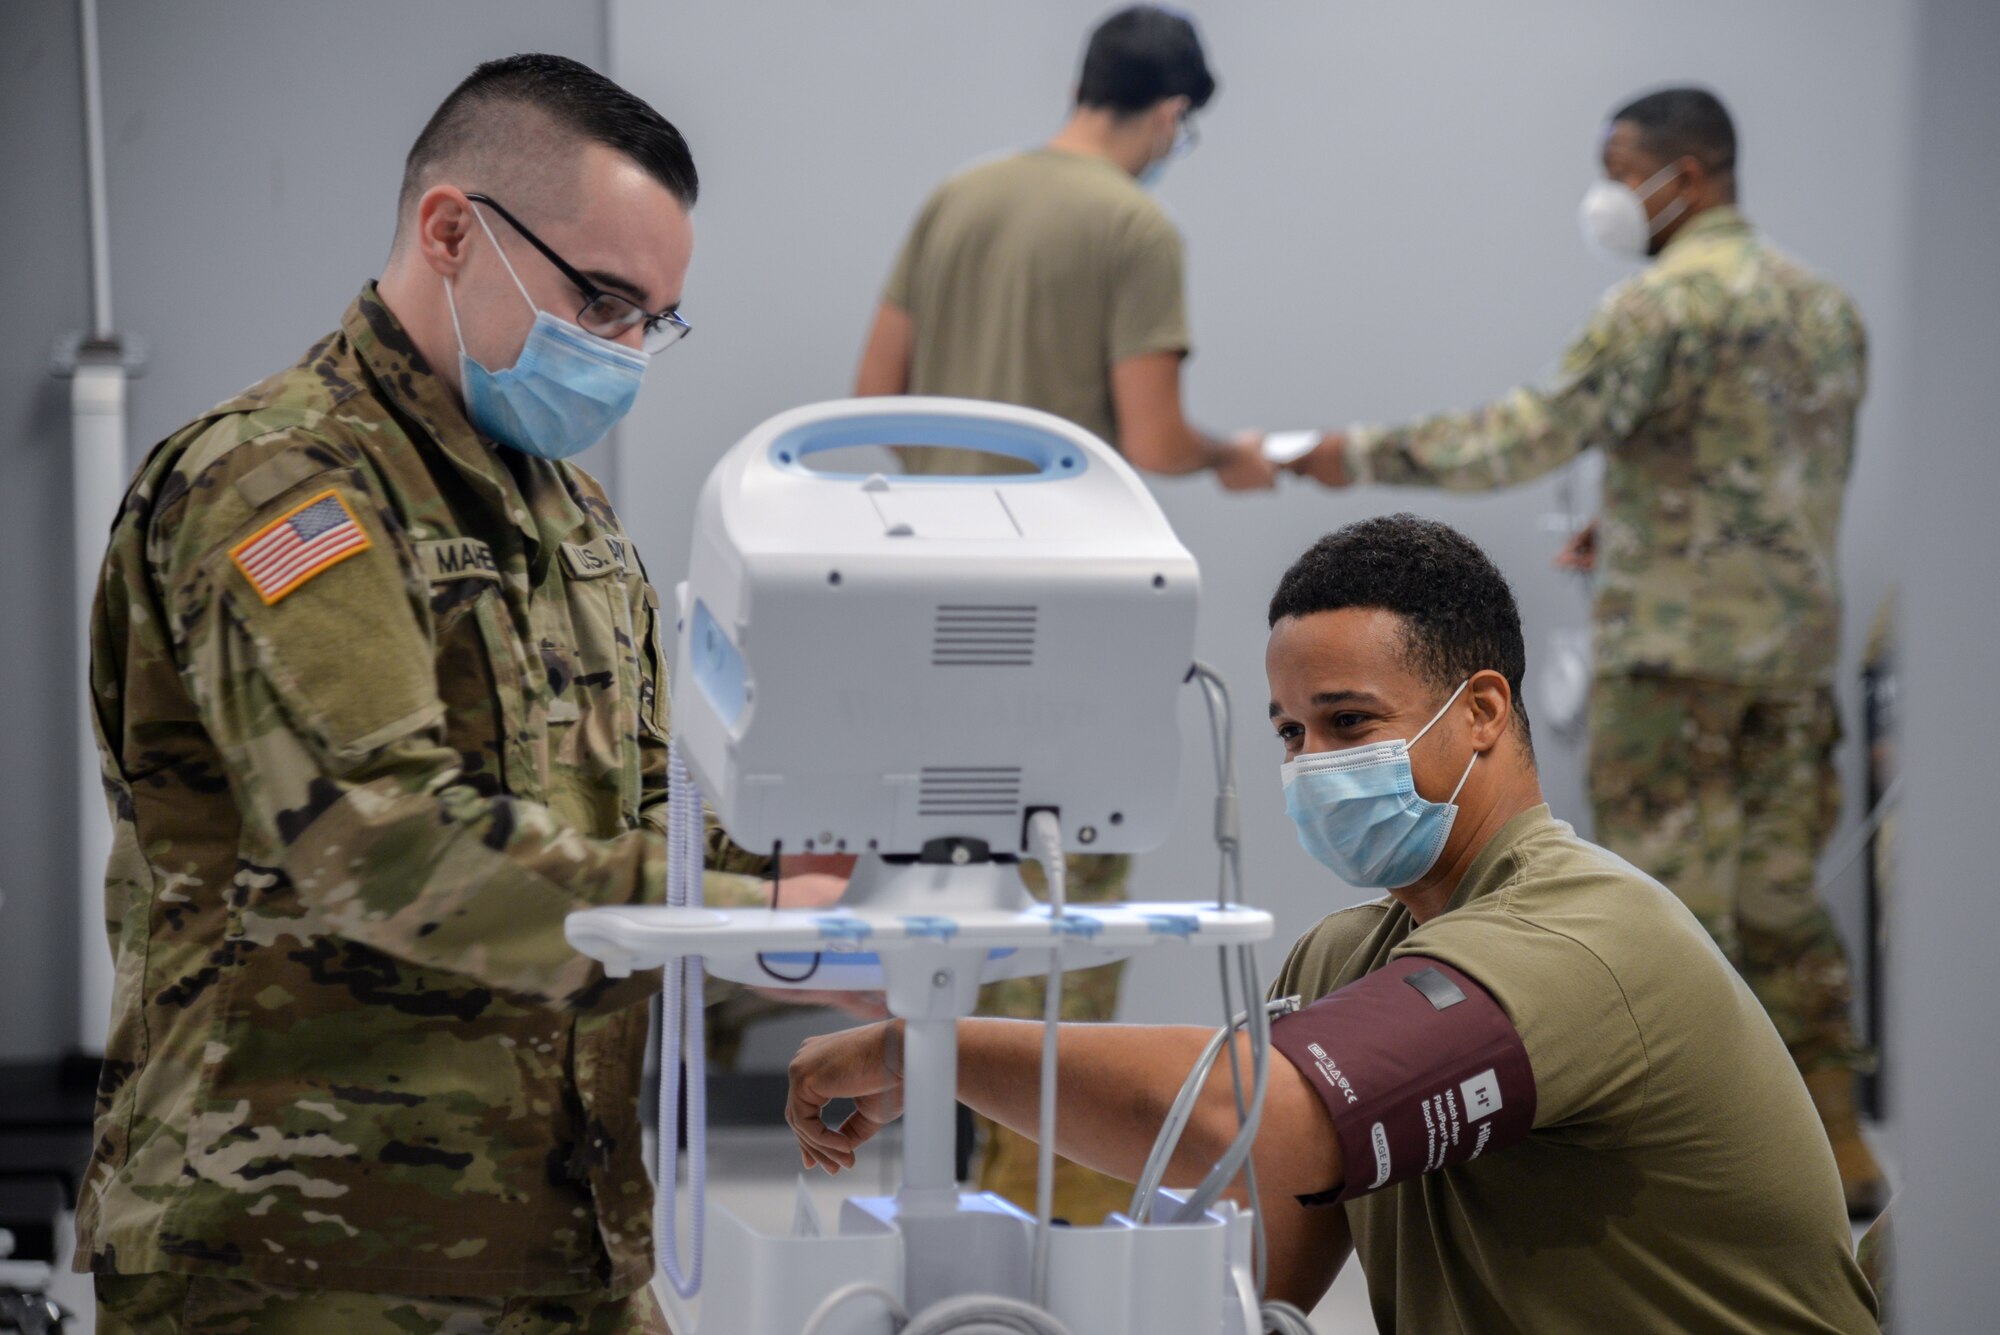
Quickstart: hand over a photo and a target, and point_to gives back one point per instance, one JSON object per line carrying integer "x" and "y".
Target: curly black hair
{"x": 1458, "y": 614}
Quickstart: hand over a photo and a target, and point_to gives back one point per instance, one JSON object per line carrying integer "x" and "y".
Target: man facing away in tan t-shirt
{"x": 1052, "y": 279}
{"x": 1527, "y": 1089}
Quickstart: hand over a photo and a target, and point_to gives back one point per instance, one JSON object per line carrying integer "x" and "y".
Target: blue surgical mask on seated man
{"x": 562, "y": 395}
{"x": 1358, "y": 810}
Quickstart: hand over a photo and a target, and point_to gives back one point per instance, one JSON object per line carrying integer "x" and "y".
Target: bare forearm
{"x": 1114, "y": 1085}
{"x": 1153, "y": 433}
{"x": 1176, "y": 451}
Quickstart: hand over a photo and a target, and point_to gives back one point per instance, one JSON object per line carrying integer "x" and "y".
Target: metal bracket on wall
{"x": 76, "y": 349}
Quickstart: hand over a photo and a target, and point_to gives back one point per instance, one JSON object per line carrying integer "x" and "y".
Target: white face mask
{"x": 1613, "y": 216}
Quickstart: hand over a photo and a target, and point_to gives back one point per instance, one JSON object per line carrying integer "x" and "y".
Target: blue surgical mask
{"x": 565, "y": 391}
{"x": 1184, "y": 141}
{"x": 1359, "y": 813}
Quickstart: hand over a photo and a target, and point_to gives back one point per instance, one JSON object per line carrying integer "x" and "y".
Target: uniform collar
{"x": 536, "y": 495}
{"x": 1721, "y": 221}
{"x": 1496, "y": 863}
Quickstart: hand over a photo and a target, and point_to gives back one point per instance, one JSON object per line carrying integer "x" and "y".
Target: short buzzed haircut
{"x": 1141, "y": 56}
{"x": 1684, "y": 123}
{"x": 1457, "y": 611}
{"x": 510, "y": 112}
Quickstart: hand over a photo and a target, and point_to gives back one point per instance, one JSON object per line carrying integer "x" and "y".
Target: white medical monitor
{"x": 869, "y": 662}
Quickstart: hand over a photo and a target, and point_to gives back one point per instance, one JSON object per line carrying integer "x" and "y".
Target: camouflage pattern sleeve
{"x": 321, "y": 698}
{"x": 1610, "y": 379}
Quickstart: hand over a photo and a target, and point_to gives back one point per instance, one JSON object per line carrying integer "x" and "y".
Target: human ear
{"x": 1491, "y": 703}
{"x": 1695, "y": 178}
{"x": 444, "y": 229}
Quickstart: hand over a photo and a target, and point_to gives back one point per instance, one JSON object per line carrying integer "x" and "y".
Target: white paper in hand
{"x": 1283, "y": 447}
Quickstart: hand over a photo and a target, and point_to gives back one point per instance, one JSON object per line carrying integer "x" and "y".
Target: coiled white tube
{"x": 681, "y": 1032}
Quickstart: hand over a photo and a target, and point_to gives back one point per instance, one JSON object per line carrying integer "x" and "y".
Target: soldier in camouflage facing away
{"x": 1722, "y": 384}
{"x": 380, "y": 690}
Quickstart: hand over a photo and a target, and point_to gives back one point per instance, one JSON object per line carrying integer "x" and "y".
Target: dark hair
{"x": 1141, "y": 56}
{"x": 1458, "y": 613}
{"x": 1684, "y": 123}
{"x": 576, "y": 98}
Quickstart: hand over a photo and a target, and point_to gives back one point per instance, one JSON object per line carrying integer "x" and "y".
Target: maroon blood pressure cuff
{"x": 1419, "y": 1068}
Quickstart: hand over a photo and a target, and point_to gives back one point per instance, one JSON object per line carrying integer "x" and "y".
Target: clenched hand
{"x": 864, "y": 1064}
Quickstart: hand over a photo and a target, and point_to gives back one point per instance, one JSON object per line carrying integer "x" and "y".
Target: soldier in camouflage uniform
{"x": 1722, "y": 384}
{"x": 381, "y": 701}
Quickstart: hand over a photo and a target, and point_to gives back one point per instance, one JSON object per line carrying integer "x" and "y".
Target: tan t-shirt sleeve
{"x": 1583, "y": 1043}
{"x": 1148, "y": 310}
{"x": 1324, "y": 958}
{"x": 900, "y": 290}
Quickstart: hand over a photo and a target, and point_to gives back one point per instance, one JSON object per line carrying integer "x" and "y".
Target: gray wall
{"x": 1946, "y": 1077}
{"x": 254, "y": 152}
{"x": 1380, "y": 221}
{"x": 42, "y": 287}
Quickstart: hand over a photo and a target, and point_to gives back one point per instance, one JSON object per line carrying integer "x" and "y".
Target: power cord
{"x": 1178, "y": 1115}
{"x": 1045, "y": 840}
{"x": 972, "y": 1314}
{"x": 777, "y": 868}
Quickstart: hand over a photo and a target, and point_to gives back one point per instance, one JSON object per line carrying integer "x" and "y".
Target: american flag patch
{"x": 297, "y": 545}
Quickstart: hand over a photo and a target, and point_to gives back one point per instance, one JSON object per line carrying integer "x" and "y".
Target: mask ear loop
{"x": 1432, "y": 724}
{"x": 1462, "y": 778}
{"x": 1650, "y": 187}
{"x": 451, "y": 301}
{"x": 498, "y": 250}
{"x": 1441, "y": 712}
{"x": 451, "y": 304}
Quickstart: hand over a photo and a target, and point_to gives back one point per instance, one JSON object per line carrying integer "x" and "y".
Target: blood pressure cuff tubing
{"x": 1419, "y": 1068}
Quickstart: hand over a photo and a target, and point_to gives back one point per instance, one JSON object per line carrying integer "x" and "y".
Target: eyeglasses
{"x": 605, "y": 314}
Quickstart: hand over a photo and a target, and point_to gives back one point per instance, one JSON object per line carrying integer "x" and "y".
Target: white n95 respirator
{"x": 1614, "y": 219}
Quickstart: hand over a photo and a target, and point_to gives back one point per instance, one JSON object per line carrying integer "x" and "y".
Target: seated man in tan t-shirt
{"x": 1527, "y": 1089}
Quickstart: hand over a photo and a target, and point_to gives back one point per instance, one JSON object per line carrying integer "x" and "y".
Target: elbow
{"x": 1141, "y": 451}
{"x": 1154, "y": 451}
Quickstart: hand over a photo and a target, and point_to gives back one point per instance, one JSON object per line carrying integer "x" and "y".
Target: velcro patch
{"x": 600, "y": 556}
{"x": 456, "y": 558}
{"x": 1439, "y": 990}
{"x": 314, "y": 535}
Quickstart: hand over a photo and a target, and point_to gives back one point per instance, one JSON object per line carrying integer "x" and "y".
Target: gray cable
{"x": 968, "y": 1314}
{"x": 1284, "y": 1319}
{"x": 1236, "y": 1158}
{"x": 1183, "y": 1109}
{"x": 1046, "y": 834}
{"x": 983, "y": 1314}
{"x": 840, "y": 1297}
{"x": 1233, "y": 1159}
{"x": 1858, "y": 841}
